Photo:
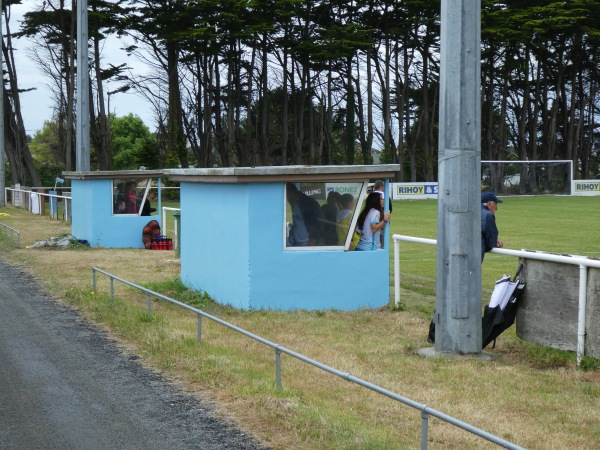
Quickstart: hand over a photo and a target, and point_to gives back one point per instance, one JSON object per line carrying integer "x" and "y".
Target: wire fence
{"x": 426, "y": 411}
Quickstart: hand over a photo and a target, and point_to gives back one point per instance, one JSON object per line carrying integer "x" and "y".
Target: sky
{"x": 36, "y": 105}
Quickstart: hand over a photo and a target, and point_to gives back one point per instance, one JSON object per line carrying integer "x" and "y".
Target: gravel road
{"x": 64, "y": 384}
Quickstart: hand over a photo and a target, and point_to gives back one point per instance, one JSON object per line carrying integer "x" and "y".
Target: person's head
{"x": 379, "y": 185}
{"x": 347, "y": 201}
{"x": 292, "y": 193}
{"x": 121, "y": 205}
{"x": 333, "y": 198}
{"x": 130, "y": 186}
{"x": 373, "y": 202}
{"x": 490, "y": 201}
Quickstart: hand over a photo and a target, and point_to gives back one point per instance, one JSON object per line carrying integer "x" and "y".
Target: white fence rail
{"x": 34, "y": 202}
{"x": 583, "y": 262}
{"x": 175, "y": 228}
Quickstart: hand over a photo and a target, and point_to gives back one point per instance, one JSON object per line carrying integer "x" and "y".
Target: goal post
{"x": 541, "y": 177}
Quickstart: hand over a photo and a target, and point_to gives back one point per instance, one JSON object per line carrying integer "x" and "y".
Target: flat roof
{"x": 248, "y": 174}
{"x": 282, "y": 173}
{"x": 103, "y": 174}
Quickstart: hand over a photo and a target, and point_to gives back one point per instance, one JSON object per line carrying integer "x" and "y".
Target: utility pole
{"x": 2, "y": 171}
{"x": 458, "y": 269}
{"x": 82, "y": 137}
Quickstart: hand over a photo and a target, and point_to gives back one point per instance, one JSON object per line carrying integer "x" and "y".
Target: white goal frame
{"x": 507, "y": 185}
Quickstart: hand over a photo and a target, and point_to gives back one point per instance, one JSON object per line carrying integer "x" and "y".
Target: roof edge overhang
{"x": 282, "y": 173}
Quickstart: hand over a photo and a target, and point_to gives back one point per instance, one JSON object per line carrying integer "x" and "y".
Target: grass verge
{"x": 530, "y": 395}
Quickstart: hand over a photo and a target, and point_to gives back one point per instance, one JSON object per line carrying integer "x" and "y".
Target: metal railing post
{"x": 94, "y": 279}
{"x": 199, "y": 337}
{"x": 278, "y": 368}
{"x": 148, "y": 304}
{"x": 397, "y": 273}
{"x": 424, "y": 428}
{"x": 581, "y": 313}
{"x": 112, "y": 291}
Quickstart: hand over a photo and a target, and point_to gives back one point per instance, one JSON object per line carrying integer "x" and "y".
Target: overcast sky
{"x": 36, "y": 105}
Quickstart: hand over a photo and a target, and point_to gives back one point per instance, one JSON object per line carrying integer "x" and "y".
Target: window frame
{"x": 359, "y": 200}
{"x": 114, "y": 190}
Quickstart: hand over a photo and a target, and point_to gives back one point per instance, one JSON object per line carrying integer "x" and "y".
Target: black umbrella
{"x": 500, "y": 314}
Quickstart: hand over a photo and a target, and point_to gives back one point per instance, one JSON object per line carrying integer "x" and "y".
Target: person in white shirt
{"x": 370, "y": 223}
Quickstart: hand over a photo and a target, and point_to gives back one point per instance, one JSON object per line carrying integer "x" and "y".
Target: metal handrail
{"x": 6, "y": 227}
{"x": 582, "y": 261}
{"x": 425, "y": 410}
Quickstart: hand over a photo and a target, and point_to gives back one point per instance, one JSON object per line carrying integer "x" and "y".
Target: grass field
{"x": 553, "y": 224}
{"x": 531, "y": 395}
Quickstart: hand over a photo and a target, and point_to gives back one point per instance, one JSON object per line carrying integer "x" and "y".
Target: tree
{"x": 133, "y": 146}
{"x": 16, "y": 147}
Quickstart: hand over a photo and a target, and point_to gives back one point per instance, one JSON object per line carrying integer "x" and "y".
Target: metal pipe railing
{"x": 582, "y": 261}
{"x": 12, "y": 230}
{"x": 425, "y": 410}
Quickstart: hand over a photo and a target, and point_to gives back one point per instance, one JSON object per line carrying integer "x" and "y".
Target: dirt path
{"x": 65, "y": 385}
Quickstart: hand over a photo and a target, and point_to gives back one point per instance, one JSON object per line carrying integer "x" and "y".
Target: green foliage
{"x": 132, "y": 143}
{"x": 48, "y": 172}
{"x": 176, "y": 290}
{"x": 589, "y": 363}
{"x": 45, "y": 146}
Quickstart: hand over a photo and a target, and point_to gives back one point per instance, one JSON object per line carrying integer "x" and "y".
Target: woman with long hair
{"x": 370, "y": 223}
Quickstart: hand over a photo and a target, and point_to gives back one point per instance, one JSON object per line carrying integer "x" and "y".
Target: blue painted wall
{"x": 93, "y": 218}
{"x": 232, "y": 248}
{"x": 215, "y": 240}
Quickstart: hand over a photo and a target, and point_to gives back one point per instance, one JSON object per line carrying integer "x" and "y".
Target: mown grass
{"x": 530, "y": 395}
{"x": 553, "y": 224}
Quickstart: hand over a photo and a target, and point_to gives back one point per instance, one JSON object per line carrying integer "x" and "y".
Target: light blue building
{"x": 95, "y": 195}
{"x": 243, "y": 238}
{"x": 235, "y": 239}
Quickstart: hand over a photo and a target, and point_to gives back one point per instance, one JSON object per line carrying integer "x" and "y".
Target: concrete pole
{"x": 458, "y": 270}
{"x": 82, "y": 147}
{"x": 2, "y": 171}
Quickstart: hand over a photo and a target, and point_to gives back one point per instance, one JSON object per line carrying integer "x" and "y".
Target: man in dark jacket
{"x": 489, "y": 230}
{"x": 489, "y": 236}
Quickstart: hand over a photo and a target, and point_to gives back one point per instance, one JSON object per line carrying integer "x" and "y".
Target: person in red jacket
{"x": 131, "y": 198}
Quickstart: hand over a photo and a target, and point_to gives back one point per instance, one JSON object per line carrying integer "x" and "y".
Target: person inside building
{"x": 307, "y": 225}
{"x": 329, "y": 211}
{"x": 343, "y": 217}
{"x": 379, "y": 186}
{"x": 370, "y": 222}
{"x": 131, "y": 199}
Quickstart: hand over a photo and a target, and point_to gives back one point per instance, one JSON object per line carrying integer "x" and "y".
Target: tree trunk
{"x": 16, "y": 118}
{"x": 176, "y": 148}
{"x": 99, "y": 126}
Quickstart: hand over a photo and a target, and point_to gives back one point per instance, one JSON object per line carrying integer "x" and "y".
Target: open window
{"x": 321, "y": 215}
{"x": 133, "y": 197}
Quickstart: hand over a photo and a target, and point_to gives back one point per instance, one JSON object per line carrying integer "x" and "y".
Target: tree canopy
{"x": 308, "y": 82}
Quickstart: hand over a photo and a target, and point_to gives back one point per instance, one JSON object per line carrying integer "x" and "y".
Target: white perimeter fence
{"x": 581, "y": 261}
{"x": 35, "y": 201}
